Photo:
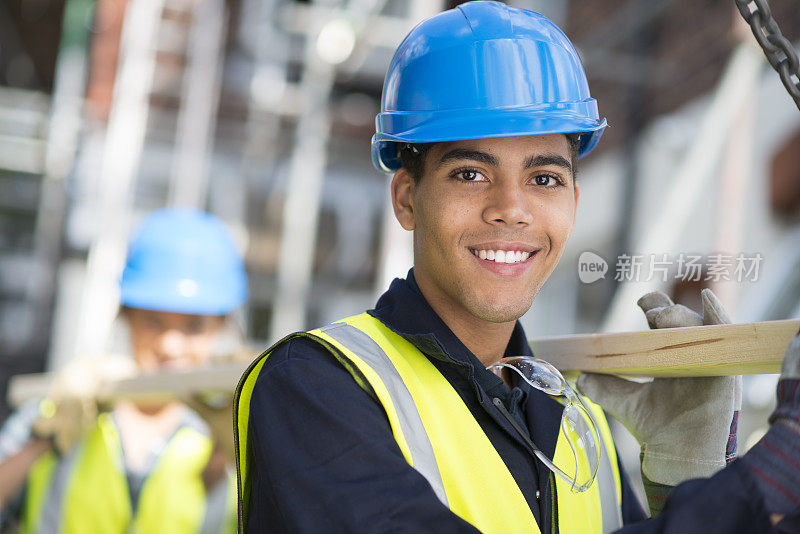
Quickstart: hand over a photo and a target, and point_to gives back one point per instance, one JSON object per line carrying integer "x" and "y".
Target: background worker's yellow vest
{"x": 86, "y": 491}
{"x": 440, "y": 438}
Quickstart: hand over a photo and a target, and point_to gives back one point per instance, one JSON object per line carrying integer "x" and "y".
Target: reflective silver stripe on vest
{"x": 410, "y": 422}
{"x": 217, "y": 500}
{"x": 609, "y": 501}
{"x": 51, "y": 516}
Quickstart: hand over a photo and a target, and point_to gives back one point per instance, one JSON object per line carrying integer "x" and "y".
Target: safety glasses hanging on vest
{"x": 578, "y": 426}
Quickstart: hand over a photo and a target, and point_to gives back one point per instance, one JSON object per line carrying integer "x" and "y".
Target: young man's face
{"x": 491, "y": 218}
{"x": 166, "y": 340}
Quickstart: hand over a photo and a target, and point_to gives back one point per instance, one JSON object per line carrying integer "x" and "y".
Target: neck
{"x": 485, "y": 339}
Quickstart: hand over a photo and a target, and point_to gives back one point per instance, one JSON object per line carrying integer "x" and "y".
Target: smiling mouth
{"x": 503, "y": 256}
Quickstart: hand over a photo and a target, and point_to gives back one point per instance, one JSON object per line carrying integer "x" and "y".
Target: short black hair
{"x": 412, "y": 156}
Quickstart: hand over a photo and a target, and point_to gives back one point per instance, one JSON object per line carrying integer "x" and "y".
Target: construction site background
{"x": 261, "y": 111}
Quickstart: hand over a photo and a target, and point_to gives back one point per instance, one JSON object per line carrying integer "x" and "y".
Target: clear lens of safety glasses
{"x": 576, "y": 465}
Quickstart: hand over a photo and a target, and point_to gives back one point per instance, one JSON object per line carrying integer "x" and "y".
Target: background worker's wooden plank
{"x": 731, "y": 349}
{"x": 177, "y": 384}
{"x": 154, "y": 388}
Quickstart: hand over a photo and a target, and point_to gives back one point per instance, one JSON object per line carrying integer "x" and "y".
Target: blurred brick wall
{"x": 689, "y": 44}
{"x": 104, "y": 54}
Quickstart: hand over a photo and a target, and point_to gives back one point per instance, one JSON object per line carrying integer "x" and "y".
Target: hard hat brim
{"x": 439, "y": 127}
{"x": 189, "y": 296}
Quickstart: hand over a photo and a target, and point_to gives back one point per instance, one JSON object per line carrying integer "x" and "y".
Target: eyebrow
{"x": 489, "y": 159}
{"x": 548, "y": 159}
{"x": 475, "y": 155}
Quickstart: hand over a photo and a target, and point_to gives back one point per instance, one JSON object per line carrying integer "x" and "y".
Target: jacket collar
{"x": 404, "y": 310}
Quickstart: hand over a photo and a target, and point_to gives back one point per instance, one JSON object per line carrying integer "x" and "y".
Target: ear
{"x": 403, "y": 199}
{"x": 577, "y": 193}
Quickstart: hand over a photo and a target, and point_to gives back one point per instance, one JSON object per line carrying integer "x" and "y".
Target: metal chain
{"x": 779, "y": 51}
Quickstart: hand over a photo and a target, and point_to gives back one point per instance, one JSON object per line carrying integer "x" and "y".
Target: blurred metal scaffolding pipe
{"x": 268, "y": 86}
{"x": 734, "y": 176}
{"x": 197, "y": 118}
{"x": 306, "y": 170}
{"x": 422, "y": 9}
{"x": 301, "y": 207}
{"x": 384, "y": 31}
{"x": 634, "y": 120}
{"x": 397, "y": 255}
{"x": 62, "y": 142}
{"x": 691, "y": 181}
{"x": 121, "y": 156}
{"x": 732, "y": 198}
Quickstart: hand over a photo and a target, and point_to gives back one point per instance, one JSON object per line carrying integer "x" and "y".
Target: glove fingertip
{"x": 677, "y": 316}
{"x": 713, "y": 310}
{"x": 654, "y": 299}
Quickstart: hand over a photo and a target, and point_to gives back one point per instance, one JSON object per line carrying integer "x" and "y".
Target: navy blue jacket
{"x": 325, "y": 459}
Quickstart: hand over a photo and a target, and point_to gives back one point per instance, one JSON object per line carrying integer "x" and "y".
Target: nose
{"x": 507, "y": 204}
{"x": 171, "y": 344}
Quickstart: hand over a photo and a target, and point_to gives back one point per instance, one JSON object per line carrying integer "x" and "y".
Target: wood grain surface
{"x": 750, "y": 348}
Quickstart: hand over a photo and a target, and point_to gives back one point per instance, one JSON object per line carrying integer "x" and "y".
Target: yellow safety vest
{"x": 86, "y": 491}
{"x": 440, "y": 438}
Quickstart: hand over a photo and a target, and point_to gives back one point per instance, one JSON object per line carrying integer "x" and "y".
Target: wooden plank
{"x": 155, "y": 388}
{"x": 177, "y": 384}
{"x": 751, "y": 348}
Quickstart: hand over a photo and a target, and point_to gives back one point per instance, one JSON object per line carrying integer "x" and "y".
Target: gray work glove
{"x": 71, "y": 406}
{"x": 682, "y": 424}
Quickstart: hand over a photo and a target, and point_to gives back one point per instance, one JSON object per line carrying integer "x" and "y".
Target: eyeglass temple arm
{"x": 524, "y": 435}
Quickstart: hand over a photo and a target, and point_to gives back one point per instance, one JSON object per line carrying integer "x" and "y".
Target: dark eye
{"x": 470, "y": 175}
{"x": 545, "y": 180}
{"x": 196, "y": 325}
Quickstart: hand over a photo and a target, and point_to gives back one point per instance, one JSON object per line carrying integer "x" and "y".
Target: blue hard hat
{"x": 483, "y": 70}
{"x": 185, "y": 261}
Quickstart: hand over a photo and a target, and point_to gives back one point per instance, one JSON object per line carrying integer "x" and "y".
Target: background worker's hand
{"x": 683, "y": 425}
{"x": 71, "y": 406}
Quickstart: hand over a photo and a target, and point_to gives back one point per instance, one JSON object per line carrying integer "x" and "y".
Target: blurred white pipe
{"x": 199, "y": 99}
{"x": 121, "y": 155}
{"x": 735, "y": 175}
{"x": 691, "y": 182}
{"x": 301, "y": 207}
{"x": 397, "y": 248}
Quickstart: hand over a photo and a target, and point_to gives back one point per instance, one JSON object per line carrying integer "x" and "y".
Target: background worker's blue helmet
{"x": 483, "y": 70}
{"x": 184, "y": 261}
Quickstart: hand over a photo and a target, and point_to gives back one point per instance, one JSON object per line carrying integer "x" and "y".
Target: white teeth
{"x": 503, "y": 256}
